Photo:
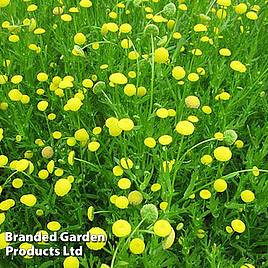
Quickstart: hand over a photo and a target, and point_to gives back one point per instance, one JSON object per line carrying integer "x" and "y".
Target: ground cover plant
{"x": 144, "y": 121}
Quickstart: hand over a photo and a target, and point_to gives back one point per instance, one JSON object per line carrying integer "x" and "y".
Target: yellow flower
{"x": 85, "y": 3}
{"x": 155, "y": 187}
{"x": 135, "y": 198}
{"x": 74, "y": 104}
{"x": 3, "y": 242}
{"x": 162, "y": 228}
{"x": 124, "y": 183}
{"x": 136, "y": 246}
{"x": 121, "y": 202}
{"x": 81, "y": 135}
{"x": 126, "y": 163}
{"x": 238, "y": 66}
{"x": 28, "y": 200}
{"x": 241, "y": 8}
{"x": 205, "y": 194}
{"x": 206, "y": 159}
{"x": 118, "y": 78}
{"x": 62, "y": 187}
{"x": 71, "y": 262}
{"x": 42, "y": 77}
{"x": 80, "y": 39}
{"x": 251, "y": 15}
{"x": 125, "y": 28}
{"x": 121, "y": 228}
{"x": 101, "y": 241}
{"x": 220, "y": 185}
{"x": 130, "y": 90}
{"x": 118, "y": 171}
{"x": 192, "y": 102}
{"x": 178, "y": 72}
{"x": 4, "y": 3}
{"x": 222, "y": 153}
{"x": 247, "y": 196}
{"x": 3, "y": 160}
{"x": 185, "y": 128}
{"x": 126, "y": 124}
{"x": 53, "y": 226}
{"x": 93, "y": 146}
{"x": 15, "y": 95}
{"x": 150, "y": 142}
{"x": 169, "y": 240}
{"x": 238, "y": 226}
{"x": 42, "y": 105}
{"x": 193, "y": 77}
{"x": 162, "y": 113}
{"x": 225, "y": 3}
{"x": 165, "y": 139}
{"x": 161, "y": 55}
{"x": 225, "y": 52}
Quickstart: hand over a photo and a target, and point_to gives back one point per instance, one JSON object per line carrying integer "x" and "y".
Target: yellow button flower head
{"x": 251, "y": 15}
{"x": 192, "y": 102}
{"x": 85, "y": 3}
{"x": 135, "y": 198}
{"x": 130, "y": 90}
{"x": 185, "y": 128}
{"x": 15, "y": 95}
{"x": 155, "y": 187}
{"x": 4, "y": 3}
{"x": 126, "y": 124}
{"x": 7, "y": 204}
{"x": 165, "y": 140}
{"x": 121, "y": 202}
{"x": 121, "y": 228}
{"x": 178, "y": 72}
{"x": 42, "y": 77}
{"x": 126, "y": 163}
{"x": 200, "y": 28}
{"x": 241, "y": 8}
{"x": 93, "y": 146}
{"x": 225, "y": 52}
{"x": 150, "y": 142}
{"x": 53, "y": 226}
{"x": 222, "y": 153}
{"x": 118, "y": 171}
{"x": 74, "y": 104}
{"x": 71, "y": 262}
{"x": 225, "y": 3}
{"x": 3, "y": 242}
{"x": 169, "y": 240}
{"x": 2, "y": 217}
{"x": 118, "y": 78}
{"x": 247, "y": 196}
{"x": 81, "y": 135}
{"x": 161, "y": 55}
{"x": 220, "y": 185}
{"x": 62, "y": 187}
{"x": 193, "y": 77}
{"x": 238, "y": 226}
{"x": 3, "y": 160}
{"x": 206, "y": 159}
{"x": 136, "y": 246}
{"x": 205, "y": 194}
{"x": 162, "y": 228}
{"x": 162, "y": 113}
{"x": 99, "y": 232}
{"x": 125, "y": 28}
{"x": 124, "y": 183}
{"x": 17, "y": 183}
{"x": 42, "y": 105}
{"x": 238, "y": 66}
{"x": 80, "y": 39}
{"x": 28, "y": 200}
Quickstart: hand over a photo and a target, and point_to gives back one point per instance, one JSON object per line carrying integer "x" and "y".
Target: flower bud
{"x": 149, "y": 213}
{"x": 229, "y": 136}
